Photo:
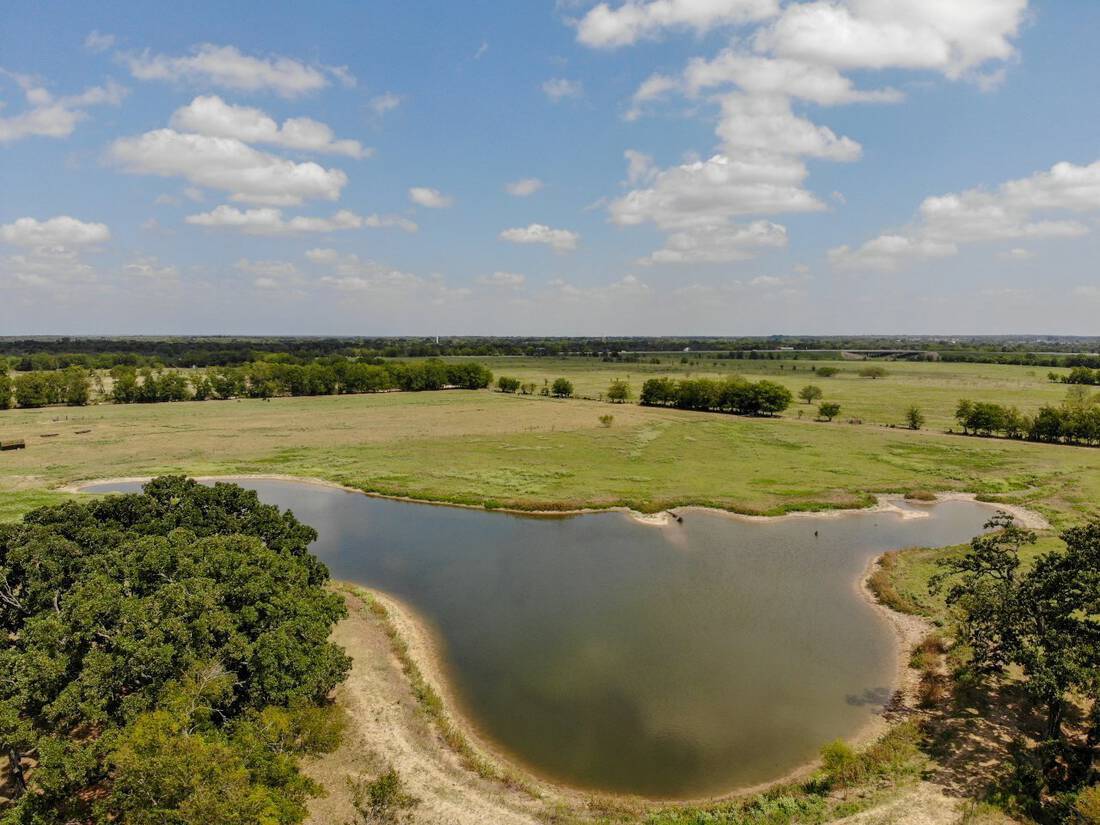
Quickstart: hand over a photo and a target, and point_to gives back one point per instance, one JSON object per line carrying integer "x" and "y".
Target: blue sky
{"x": 714, "y": 167}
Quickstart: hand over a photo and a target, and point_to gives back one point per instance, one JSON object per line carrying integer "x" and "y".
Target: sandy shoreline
{"x": 424, "y": 648}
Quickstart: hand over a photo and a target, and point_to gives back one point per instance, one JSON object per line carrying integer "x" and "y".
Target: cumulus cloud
{"x": 719, "y": 244}
{"x": 523, "y": 187}
{"x": 228, "y": 67}
{"x": 227, "y": 164}
{"x": 268, "y": 221}
{"x": 560, "y": 240}
{"x": 210, "y": 115}
{"x": 767, "y": 124}
{"x": 1017, "y": 209}
{"x": 47, "y": 267}
{"x": 708, "y": 193}
{"x": 430, "y": 198}
{"x": 634, "y": 20}
{"x": 60, "y": 231}
{"x": 512, "y": 280}
{"x": 559, "y": 88}
{"x": 50, "y": 116}
{"x": 953, "y": 38}
{"x": 350, "y": 273}
{"x": 149, "y": 268}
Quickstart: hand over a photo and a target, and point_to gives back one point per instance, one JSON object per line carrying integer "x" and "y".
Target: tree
{"x": 5, "y": 391}
{"x": 810, "y": 393}
{"x": 1041, "y": 620}
{"x": 914, "y": 418}
{"x": 618, "y": 392}
{"x": 506, "y": 384}
{"x": 829, "y": 410}
{"x": 562, "y": 388}
{"x": 827, "y": 372}
{"x": 176, "y": 629}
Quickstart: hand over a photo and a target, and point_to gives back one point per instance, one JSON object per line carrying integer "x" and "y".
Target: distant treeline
{"x": 1067, "y": 424}
{"x": 731, "y": 395}
{"x": 262, "y": 379}
{"x": 36, "y": 354}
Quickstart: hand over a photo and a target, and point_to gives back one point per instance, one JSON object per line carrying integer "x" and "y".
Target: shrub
{"x": 618, "y": 392}
{"x": 508, "y": 384}
{"x": 381, "y": 800}
{"x": 872, "y": 372}
{"x": 607, "y": 420}
{"x": 562, "y": 388}
{"x": 829, "y": 410}
{"x": 914, "y": 418}
{"x": 827, "y": 372}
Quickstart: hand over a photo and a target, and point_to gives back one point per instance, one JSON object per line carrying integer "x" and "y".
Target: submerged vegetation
{"x": 168, "y": 659}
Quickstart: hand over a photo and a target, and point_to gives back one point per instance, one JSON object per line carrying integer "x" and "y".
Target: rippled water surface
{"x": 666, "y": 661}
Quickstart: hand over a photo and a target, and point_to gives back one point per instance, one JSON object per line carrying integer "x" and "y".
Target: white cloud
{"x": 56, "y": 117}
{"x": 59, "y": 231}
{"x": 430, "y": 198}
{"x": 560, "y": 240}
{"x": 481, "y": 50}
{"x": 228, "y": 67}
{"x": 98, "y": 41}
{"x": 1017, "y": 209}
{"x": 941, "y": 35}
{"x": 227, "y": 164}
{"x": 47, "y": 267}
{"x": 634, "y": 20}
{"x": 523, "y": 187}
{"x": 710, "y": 192}
{"x": 352, "y": 274}
{"x": 383, "y": 103}
{"x": 149, "y": 268}
{"x": 268, "y": 221}
{"x": 391, "y": 222}
{"x": 767, "y": 124}
{"x": 759, "y": 75}
{"x": 889, "y": 252}
{"x": 512, "y": 280}
{"x": 558, "y": 88}
{"x": 210, "y": 115}
{"x": 1017, "y": 253}
{"x": 719, "y": 244}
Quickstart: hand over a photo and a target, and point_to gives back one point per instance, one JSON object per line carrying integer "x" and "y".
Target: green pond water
{"x": 677, "y": 661}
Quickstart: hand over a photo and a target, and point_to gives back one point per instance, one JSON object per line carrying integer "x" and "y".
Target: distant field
{"x": 934, "y": 387}
{"x": 532, "y": 452}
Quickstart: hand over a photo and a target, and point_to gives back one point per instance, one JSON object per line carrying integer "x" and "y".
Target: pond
{"x": 604, "y": 653}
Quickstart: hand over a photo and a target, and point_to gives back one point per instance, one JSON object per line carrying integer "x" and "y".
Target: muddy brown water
{"x": 672, "y": 662}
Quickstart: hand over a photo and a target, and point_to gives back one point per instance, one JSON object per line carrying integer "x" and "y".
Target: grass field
{"x": 539, "y": 453}
{"x": 934, "y": 387}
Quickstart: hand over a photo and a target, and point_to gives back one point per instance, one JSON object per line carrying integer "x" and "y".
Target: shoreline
{"x": 423, "y": 646}
{"x": 884, "y": 502}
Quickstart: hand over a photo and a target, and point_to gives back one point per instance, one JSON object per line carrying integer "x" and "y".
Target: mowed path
{"x": 387, "y": 729}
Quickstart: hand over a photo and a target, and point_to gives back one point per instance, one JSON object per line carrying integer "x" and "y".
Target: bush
{"x": 829, "y": 410}
{"x": 618, "y": 392}
{"x": 507, "y": 384}
{"x": 607, "y": 420}
{"x": 381, "y": 800}
{"x": 827, "y": 372}
{"x": 914, "y": 418}
{"x": 872, "y": 372}
{"x": 562, "y": 388}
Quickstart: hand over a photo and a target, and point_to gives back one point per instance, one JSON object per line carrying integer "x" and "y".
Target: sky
{"x": 647, "y": 167}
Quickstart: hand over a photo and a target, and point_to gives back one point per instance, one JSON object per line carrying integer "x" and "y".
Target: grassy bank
{"x": 537, "y": 453}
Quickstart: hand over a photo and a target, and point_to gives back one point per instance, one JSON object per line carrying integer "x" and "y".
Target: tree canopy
{"x": 163, "y": 645}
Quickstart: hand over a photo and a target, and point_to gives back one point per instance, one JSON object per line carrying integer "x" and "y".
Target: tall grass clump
{"x": 882, "y": 583}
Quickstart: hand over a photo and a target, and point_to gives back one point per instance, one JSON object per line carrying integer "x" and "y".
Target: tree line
{"x": 730, "y": 395}
{"x": 166, "y": 659}
{"x": 262, "y": 379}
{"x": 1070, "y": 423}
{"x": 1078, "y": 375}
